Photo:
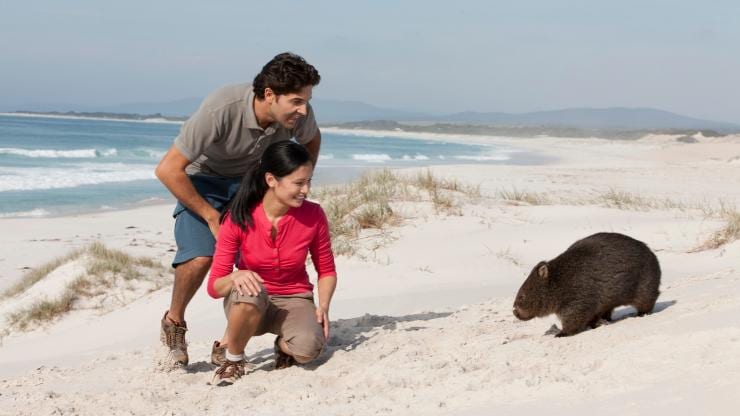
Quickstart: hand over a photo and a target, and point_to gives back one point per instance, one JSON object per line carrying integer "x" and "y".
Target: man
{"x": 214, "y": 149}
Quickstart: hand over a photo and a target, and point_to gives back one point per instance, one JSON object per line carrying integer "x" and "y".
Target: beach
{"x": 422, "y": 318}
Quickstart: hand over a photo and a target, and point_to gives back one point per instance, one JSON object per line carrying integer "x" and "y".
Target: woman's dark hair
{"x": 284, "y": 74}
{"x": 280, "y": 159}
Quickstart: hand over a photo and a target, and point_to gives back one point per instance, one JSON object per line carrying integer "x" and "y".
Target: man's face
{"x": 287, "y": 109}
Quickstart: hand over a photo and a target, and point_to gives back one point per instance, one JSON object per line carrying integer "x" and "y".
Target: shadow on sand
{"x": 628, "y": 311}
{"x": 346, "y": 335}
{"x": 620, "y": 314}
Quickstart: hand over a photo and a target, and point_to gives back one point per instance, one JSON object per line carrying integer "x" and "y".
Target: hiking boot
{"x": 218, "y": 353}
{"x": 228, "y": 373}
{"x": 282, "y": 360}
{"x": 173, "y": 337}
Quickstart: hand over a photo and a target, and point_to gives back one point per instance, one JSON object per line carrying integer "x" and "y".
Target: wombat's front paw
{"x": 599, "y": 322}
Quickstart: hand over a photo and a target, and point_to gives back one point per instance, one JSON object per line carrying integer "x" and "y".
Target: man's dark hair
{"x": 284, "y": 74}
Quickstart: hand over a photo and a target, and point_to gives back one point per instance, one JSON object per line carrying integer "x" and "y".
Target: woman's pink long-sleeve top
{"x": 280, "y": 263}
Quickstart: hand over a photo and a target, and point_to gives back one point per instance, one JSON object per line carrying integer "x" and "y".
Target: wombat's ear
{"x": 542, "y": 271}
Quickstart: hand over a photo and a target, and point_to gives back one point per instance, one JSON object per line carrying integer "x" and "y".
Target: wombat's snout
{"x": 520, "y": 314}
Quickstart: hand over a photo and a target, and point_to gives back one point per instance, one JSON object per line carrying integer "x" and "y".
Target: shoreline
{"x": 476, "y": 139}
{"x": 64, "y": 117}
{"x": 91, "y": 211}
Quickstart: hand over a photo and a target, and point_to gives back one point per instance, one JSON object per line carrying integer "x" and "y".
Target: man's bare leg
{"x": 188, "y": 278}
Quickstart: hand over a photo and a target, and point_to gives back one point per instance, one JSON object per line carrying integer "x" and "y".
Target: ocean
{"x": 55, "y": 166}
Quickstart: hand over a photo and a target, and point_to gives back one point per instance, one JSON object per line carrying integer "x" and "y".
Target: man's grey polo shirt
{"x": 223, "y": 138}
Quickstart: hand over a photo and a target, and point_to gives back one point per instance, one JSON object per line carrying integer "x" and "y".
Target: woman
{"x": 268, "y": 231}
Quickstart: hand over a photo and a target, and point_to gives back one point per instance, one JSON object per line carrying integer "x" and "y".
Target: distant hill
{"x": 327, "y": 111}
{"x": 335, "y": 111}
{"x": 177, "y": 108}
{"x": 526, "y": 131}
{"x": 593, "y": 118}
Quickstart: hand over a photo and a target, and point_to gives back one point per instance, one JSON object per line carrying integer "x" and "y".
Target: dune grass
{"x": 42, "y": 311}
{"x": 366, "y": 203}
{"x": 34, "y": 275}
{"x": 519, "y": 196}
{"x": 108, "y": 261}
{"x": 104, "y": 269}
{"x": 727, "y": 234}
{"x": 615, "y": 198}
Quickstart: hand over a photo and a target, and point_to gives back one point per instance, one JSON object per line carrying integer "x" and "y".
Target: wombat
{"x": 591, "y": 278}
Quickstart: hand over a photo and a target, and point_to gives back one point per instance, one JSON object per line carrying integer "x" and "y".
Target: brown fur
{"x": 591, "y": 278}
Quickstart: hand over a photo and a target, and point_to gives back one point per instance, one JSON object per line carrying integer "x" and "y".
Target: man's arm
{"x": 171, "y": 172}
{"x": 314, "y": 146}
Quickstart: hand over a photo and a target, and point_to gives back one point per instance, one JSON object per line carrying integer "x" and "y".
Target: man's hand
{"x": 322, "y": 317}
{"x": 171, "y": 171}
{"x": 246, "y": 282}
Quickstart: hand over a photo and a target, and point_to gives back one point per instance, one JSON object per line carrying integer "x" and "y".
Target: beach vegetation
{"x": 367, "y": 203}
{"x": 687, "y": 139}
{"x": 34, "y": 275}
{"x": 105, "y": 261}
{"x": 515, "y": 195}
{"x": 428, "y": 181}
{"x": 728, "y": 233}
{"x": 615, "y": 198}
{"x": 507, "y": 255}
{"x": 104, "y": 270}
{"x": 42, "y": 311}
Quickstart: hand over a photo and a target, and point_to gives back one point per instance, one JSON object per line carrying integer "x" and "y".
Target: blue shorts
{"x": 192, "y": 235}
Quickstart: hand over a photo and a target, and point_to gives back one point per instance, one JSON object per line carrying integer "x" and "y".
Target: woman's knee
{"x": 260, "y": 301}
{"x": 306, "y": 346}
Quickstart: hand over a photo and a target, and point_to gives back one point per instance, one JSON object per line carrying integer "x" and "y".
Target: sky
{"x": 416, "y": 55}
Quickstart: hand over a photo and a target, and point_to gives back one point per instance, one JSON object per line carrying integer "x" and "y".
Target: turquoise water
{"x": 53, "y": 166}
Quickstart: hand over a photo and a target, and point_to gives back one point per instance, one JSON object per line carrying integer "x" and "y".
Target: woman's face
{"x": 291, "y": 190}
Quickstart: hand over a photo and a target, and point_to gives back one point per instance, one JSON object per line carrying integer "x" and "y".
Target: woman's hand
{"x": 246, "y": 282}
{"x": 322, "y": 317}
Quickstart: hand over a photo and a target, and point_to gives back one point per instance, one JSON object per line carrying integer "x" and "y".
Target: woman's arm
{"x": 323, "y": 260}
{"x": 326, "y": 285}
{"x": 223, "y": 277}
{"x": 227, "y": 246}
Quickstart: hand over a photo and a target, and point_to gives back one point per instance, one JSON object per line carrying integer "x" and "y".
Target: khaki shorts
{"x": 292, "y": 317}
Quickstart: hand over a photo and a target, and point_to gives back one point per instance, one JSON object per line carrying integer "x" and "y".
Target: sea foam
{"x": 373, "y": 157}
{"x": 50, "y": 153}
{"x": 38, "y": 212}
{"x": 37, "y": 178}
{"x": 483, "y": 158}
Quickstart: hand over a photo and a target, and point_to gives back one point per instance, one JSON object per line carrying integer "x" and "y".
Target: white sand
{"x": 423, "y": 325}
